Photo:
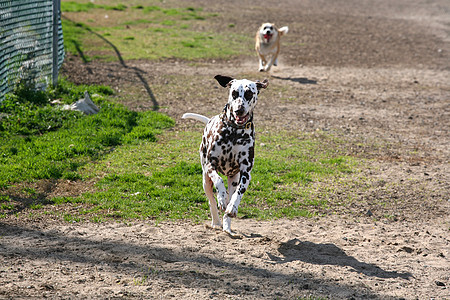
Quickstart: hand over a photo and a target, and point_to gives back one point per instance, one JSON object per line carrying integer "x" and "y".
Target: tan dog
{"x": 268, "y": 45}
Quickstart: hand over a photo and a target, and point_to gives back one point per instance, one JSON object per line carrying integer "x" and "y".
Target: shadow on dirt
{"x": 329, "y": 254}
{"x": 177, "y": 267}
{"x": 301, "y": 80}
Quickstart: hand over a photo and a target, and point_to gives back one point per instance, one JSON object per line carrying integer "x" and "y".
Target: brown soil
{"x": 374, "y": 74}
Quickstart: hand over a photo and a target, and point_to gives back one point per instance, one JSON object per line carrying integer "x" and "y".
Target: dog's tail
{"x": 196, "y": 117}
{"x": 283, "y": 30}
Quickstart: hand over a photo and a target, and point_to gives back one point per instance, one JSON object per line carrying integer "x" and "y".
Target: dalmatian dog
{"x": 227, "y": 148}
{"x": 267, "y": 45}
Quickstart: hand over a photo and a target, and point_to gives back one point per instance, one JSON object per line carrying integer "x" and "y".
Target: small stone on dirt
{"x": 439, "y": 283}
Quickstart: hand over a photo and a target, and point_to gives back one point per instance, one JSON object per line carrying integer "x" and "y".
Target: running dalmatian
{"x": 228, "y": 148}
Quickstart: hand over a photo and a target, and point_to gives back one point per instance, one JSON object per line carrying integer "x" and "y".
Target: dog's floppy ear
{"x": 262, "y": 85}
{"x": 223, "y": 80}
{"x": 283, "y": 30}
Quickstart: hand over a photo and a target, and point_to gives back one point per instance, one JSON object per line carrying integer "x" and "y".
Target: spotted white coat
{"x": 227, "y": 148}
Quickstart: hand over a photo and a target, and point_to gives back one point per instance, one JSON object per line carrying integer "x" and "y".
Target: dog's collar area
{"x": 225, "y": 121}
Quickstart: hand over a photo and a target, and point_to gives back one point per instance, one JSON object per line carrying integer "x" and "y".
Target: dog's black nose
{"x": 240, "y": 111}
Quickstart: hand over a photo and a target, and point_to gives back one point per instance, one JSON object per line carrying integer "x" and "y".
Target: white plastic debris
{"x": 84, "y": 105}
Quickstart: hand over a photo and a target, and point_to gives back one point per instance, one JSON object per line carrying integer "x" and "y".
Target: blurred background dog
{"x": 268, "y": 45}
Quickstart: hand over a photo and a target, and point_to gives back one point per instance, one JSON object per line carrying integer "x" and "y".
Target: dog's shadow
{"x": 301, "y": 80}
{"x": 329, "y": 254}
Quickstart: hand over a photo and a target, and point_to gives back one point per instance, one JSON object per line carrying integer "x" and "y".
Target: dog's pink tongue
{"x": 267, "y": 36}
{"x": 241, "y": 119}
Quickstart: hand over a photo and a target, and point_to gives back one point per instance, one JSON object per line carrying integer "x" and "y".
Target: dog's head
{"x": 268, "y": 32}
{"x": 242, "y": 98}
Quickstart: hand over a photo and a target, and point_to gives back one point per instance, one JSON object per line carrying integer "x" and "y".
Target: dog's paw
{"x": 222, "y": 205}
{"x": 214, "y": 226}
{"x": 231, "y": 211}
{"x": 261, "y": 69}
{"x": 222, "y": 201}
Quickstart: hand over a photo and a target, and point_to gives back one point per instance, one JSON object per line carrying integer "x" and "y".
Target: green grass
{"x": 41, "y": 141}
{"x": 164, "y": 180}
{"x": 146, "y": 32}
{"x": 141, "y": 170}
{"x": 74, "y": 6}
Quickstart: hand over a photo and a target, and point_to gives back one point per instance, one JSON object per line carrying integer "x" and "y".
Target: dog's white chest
{"x": 268, "y": 48}
{"x": 227, "y": 149}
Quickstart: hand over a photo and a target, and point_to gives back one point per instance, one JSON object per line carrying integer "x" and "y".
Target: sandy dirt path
{"x": 328, "y": 257}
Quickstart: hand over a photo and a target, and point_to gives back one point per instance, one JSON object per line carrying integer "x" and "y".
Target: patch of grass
{"x": 120, "y": 7}
{"x": 138, "y": 178}
{"x": 73, "y": 6}
{"x": 169, "y": 194}
{"x": 71, "y": 219}
{"x": 36, "y": 206}
{"x": 5, "y": 204}
{"x": 151, "y": 8}
{"x": 159, "y": 33}
{"x": 41, "y": 141}
{"x": 164, "y": 180}
{"x": 286, "y": 167}
{"x": 74, "y": 35}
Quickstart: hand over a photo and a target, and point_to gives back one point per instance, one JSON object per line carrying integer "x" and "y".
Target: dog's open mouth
{"x": 267, "y": 36}
{"x": 240, "y": 120}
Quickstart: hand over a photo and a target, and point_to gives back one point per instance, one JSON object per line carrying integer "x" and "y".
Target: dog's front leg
{"x": 270, "y": 63}
{"x": 232, "y": 207}
{"x": 262, "y": 62}
{"x": 233, "y": 183}
{"x": 275, "y": 63}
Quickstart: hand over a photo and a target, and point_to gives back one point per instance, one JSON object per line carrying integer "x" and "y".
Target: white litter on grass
{"x": 84, "y": 105}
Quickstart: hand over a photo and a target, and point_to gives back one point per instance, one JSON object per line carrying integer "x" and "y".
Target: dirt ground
{"x": 373, "y": 73}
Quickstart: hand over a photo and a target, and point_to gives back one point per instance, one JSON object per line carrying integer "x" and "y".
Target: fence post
{"x": 56, "y": 9}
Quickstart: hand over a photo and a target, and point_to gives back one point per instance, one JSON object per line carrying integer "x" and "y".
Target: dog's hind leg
{"x": 208, "y": 188}
{"x": 222, "y": 194}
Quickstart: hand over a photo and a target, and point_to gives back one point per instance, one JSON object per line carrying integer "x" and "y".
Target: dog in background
{"x": 228, "y": 148}
{"x": 268, "y": 45}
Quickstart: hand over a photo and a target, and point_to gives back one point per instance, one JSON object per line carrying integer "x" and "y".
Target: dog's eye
{"x": 235, "y": 94}
{"x": 248, "y": 95}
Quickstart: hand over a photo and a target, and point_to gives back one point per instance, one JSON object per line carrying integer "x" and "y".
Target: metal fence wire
{"x": 27, "y": 45}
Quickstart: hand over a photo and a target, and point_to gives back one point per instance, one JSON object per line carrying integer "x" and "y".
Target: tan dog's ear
{"x": 283, "y": 30}
{"x": 262, "y": 85}
{"x": 224, "y": 81}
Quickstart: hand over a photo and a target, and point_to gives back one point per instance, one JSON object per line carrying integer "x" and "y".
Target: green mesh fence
{"x": 26, "y": 43}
